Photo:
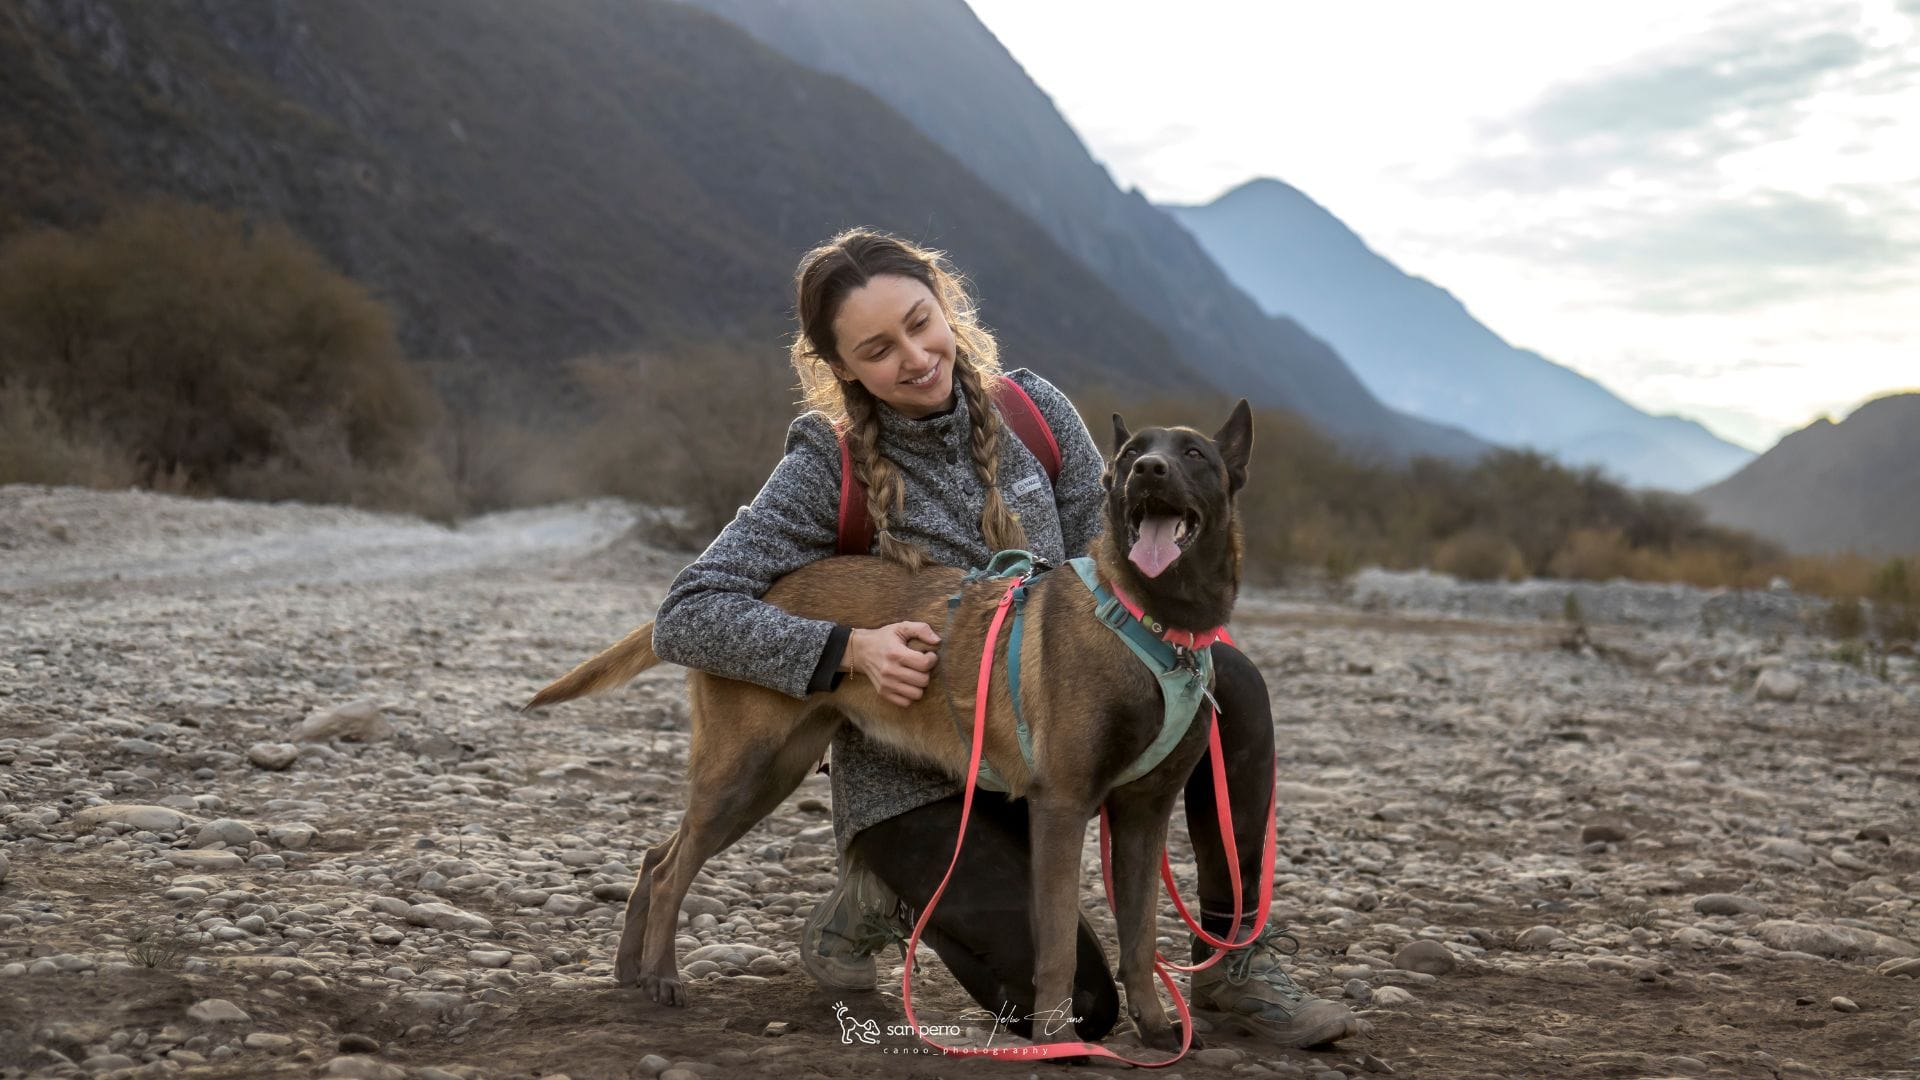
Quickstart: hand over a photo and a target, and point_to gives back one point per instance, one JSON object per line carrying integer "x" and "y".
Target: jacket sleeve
{"x": 713, "y": 618}
{"x": 1077, "y": 492}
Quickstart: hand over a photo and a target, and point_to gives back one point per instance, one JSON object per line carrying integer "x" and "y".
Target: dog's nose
{"x": 1150, "y": 465}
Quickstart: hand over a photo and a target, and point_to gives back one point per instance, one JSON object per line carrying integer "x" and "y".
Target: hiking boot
{"x": 1250, "y": 991}
{"x": 859, "y": 918}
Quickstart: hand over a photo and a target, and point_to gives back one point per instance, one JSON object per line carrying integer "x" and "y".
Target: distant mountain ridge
{"x": 1417, "y": 347}
{"x": 526, "y": 183}
{"x": 1833, "y": 487}
{"x": 937, "y": 65}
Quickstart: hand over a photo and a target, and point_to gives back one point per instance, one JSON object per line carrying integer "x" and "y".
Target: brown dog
{"x": 1091, "y": 705}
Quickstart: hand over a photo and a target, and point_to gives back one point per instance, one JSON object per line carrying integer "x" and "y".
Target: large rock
{"x": 218, "y": 1011}
{"x": 226, "y": 832}
{"x": 273, "y": 756}
{"x": 1728, "y": 904}
{"x": 1831, "y": 939}
{"x": 447, "y": 917}
{"x": 205, "y": 860}
{"x": 294, "y": 836}
{"x": 358, "y": 722}
{"x": 1777, "y": 684}
{"x": 135, "y": 815}
{"x": 1426, "y": 957}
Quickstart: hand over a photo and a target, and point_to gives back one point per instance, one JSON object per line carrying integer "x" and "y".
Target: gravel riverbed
{"x": 267, "y": 808}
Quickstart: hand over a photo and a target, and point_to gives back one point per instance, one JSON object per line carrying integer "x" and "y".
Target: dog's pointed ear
{"x": 1120, "y": 433}
{"x": 1234, "y": 440}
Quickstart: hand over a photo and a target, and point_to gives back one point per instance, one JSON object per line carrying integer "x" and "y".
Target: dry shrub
{"x": 1480, "y": 555}
{"x": 37, "y": 447}
{"x": 699, "y": 430}
{"x": 218, "y": 351}
{"x": 1594, "y": 555}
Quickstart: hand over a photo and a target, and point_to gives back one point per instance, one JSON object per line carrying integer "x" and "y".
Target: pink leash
{"x": 1085, "y": 1049}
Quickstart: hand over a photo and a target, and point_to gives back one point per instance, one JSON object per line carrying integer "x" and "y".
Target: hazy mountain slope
{"x": 1420, "y": 350}
{"x": 1834, "y": 487}
{"x": 935, "y": 63}
{"x": 527, "y": 182}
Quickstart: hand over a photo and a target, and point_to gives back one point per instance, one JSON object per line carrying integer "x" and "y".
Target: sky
{"x": 1713, "y": 209}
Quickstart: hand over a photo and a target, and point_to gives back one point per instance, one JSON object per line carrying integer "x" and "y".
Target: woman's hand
{"x": 897, "y": 659}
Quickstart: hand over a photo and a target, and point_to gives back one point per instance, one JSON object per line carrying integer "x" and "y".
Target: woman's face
{"x": 894, "y": 339}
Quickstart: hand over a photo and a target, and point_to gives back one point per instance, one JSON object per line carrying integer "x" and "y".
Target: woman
{"x": 889, "y": 351}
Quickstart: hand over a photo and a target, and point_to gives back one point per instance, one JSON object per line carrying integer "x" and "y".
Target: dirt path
{"x": 1637, "y": 864}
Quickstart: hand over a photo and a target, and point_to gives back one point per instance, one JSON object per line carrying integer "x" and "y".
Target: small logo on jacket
{"x": 1027, "y": 486}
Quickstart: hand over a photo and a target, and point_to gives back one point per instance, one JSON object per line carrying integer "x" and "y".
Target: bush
{"x": 215, "y": 353}
{"x": 700, "y": 429}
{"x": 36, "y": 447}
{"x": 1593, "y": 555}
{"x": 1480, "y": 555}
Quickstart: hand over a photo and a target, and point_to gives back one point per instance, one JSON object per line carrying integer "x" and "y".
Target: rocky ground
{"x": 268, "y": 810}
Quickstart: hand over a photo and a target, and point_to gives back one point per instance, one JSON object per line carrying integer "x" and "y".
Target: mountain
{"x": 525, "y": 183}
{"x": 937, "y": 65}
{"x": 1417, "y": 347}
{"x": 1833, "y": 487}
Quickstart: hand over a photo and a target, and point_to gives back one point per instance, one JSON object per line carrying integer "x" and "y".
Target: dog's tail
{"x": 617, "y": 665}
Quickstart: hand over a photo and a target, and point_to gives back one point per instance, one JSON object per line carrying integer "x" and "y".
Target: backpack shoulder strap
{"x": 1024, "y": 417}
{"x": 856, "y": 528}
{"x": 1016, "y": 408}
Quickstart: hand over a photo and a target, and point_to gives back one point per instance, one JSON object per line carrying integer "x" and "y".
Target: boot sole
{"x": 1306, "y": 1030}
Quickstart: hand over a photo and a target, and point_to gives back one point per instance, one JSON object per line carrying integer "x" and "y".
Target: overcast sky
{"x": 1713, "y": 209}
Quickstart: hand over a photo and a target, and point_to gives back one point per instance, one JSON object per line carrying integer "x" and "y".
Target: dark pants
{"x": 981, "y": 929}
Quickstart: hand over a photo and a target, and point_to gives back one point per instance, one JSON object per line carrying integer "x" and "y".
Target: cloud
{"x": 1732, "y": 254}
{"x": 1751, "y": 80}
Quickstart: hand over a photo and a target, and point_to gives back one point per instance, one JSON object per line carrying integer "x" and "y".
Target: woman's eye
{"x": 923, "y": 322}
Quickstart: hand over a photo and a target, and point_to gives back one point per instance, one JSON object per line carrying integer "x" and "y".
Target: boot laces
{"x": 878, "y": 929}
{"x": 1274, "y": 942}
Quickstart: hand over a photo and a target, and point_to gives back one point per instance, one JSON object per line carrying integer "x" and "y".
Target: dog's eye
{"x": 1194, "y": 452}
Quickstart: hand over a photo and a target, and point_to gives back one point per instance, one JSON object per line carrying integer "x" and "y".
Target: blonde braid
{"x": 886, "y": 492}
{"x": 998, "y": 526}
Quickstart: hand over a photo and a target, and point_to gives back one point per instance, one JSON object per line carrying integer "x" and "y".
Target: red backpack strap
{"x": 856, "y": 528}
{"x": 1016, "y": 408}
{"x": 1023, "y": 416}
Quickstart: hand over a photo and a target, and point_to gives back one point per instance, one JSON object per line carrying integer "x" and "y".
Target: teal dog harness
{"x": 1183, "y": 670}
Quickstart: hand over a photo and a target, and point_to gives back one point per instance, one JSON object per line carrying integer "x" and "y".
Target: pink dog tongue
{"x": 1155, "y": 550}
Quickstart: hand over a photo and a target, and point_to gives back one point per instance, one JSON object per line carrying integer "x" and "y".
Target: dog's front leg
{"x": 1057, "y": 828}
{"x": 1138, "y": 816}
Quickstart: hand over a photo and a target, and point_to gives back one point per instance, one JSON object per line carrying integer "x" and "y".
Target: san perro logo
{"x": 976, "y": 1022}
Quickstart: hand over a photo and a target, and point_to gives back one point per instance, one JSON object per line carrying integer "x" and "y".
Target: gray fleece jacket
{"x": 713, "y": 618}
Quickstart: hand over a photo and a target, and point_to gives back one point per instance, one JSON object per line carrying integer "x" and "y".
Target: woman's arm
{"x": 713, "y": 618}
{"x": 1076, "y": 492}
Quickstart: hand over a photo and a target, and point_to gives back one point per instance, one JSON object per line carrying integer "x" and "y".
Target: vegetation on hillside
{"x": 189, "y": 349}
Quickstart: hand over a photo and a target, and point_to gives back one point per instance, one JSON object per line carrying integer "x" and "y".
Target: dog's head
{"x": 1170, "y": 529}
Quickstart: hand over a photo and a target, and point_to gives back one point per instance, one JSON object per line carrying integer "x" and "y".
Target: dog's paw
{"x": 664, "y": 991}
{"x": 1167, "y": 1040}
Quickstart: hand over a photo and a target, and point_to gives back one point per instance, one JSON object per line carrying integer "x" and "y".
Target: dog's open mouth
{"x": 1157, "y": 536}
